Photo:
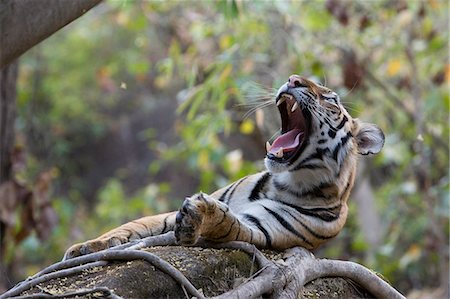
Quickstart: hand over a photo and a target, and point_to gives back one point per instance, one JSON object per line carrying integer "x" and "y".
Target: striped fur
{"x": 301, "y": 198}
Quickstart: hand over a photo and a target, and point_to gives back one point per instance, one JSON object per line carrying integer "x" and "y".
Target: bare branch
{"x": 279, "y": 279}
{"x": 254, "y": 288}
{"x": 106, "y": 256}
{"x": 105, "y": 293}
{"x": 359, "y": 274}
{"x": 243, "y": 246}
{"x": 285, "y": 280}
{"x": 159, "y": 240}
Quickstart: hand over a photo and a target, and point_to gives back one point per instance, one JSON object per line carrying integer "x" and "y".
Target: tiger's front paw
{"x": 190, "y": 218}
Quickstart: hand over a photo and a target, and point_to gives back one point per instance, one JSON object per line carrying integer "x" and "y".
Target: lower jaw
{"x": 280, "y": 160}
{"x": 293, "y": 156}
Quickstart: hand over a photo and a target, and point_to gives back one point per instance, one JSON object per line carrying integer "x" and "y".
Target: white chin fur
{"x": 274, "y": 167}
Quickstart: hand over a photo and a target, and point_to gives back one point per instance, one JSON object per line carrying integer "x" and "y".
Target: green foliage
{"x": 147, "y": 201}
{"x": 387, "y": 59}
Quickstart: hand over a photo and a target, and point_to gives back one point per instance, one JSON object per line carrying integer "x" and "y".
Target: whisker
{"x": 257, "y": 97}
{"x": 352, "y": 109}
{"x": 254, "y": 109}
{"x": 349, "y": 106}
{"x": 278, "y": 132}
{"x": 255, "y": 104}
{"x": 351, "y": 89}
{"x": 325, "y": 79}
{"x": 254, "y": 90}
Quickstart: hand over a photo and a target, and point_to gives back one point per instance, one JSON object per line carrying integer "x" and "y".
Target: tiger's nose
{"x": 295, "y": 81}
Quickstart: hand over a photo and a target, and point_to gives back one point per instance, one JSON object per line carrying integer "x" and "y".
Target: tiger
{"x": 300, "y": 199}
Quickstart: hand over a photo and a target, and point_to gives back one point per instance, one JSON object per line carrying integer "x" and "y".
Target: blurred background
{"x": 139, "y": 104}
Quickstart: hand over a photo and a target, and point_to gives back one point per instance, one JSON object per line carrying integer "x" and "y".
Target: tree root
{"x": 78, "y": 264}
{"x": 278, "y": 279}
{"x": 104, "y": 293}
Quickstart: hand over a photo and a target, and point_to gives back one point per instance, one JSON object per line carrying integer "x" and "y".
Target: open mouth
{"x": 294, "y": 130}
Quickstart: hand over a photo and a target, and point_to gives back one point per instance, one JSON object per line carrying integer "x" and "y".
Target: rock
{"x": 213, "y": 271}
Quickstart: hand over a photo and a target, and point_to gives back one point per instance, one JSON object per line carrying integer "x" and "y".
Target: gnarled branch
{"x": 280, "y": 277}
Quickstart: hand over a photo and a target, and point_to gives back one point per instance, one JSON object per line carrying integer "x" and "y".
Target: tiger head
{"x": 316, "y": 130}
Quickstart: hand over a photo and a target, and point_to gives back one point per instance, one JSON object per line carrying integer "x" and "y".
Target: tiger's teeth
{"x": 281, "y": 100}
{"x": 268, "y": 146}
{"x": 280, "y": 153}
{"x": 294, "y": 107}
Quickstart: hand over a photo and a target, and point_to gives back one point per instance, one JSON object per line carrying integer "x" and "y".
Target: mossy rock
{"x": 213, "y": 271}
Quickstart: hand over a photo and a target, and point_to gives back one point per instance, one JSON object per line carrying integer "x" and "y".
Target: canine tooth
{"x": 280, "y": 153}
{"x": 294, "y": 107}
{"x": 268, "y": 146}
{"x": 281, "y": 100}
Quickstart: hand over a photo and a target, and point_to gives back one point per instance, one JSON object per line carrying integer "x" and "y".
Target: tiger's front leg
{"x": 203, "y": 216}
{"x": 137, "y": 229}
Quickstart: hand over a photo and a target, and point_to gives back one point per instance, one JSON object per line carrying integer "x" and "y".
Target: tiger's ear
{"x": 370, "y": 139}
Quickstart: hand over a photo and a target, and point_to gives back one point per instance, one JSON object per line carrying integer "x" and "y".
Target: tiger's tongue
{"x": 288, "y": 141}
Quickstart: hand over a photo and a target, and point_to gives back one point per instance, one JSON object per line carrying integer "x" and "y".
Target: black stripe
{"x": 257, "y": 223}
{"x": 317, "y": 155}
{"x": 341, "y": 125}
{"x": 239, "y": 231}
{"x": 320, "y": 152}
{"x": 141, "y": 224}
{"x": 333, "y": 130}
{"x": 227, "y": 233}
{"x": 149, "y": 231}
{"x": 321, "y": 213}
{"x": 310, "y": 166}
{"x": 329, "y": 210}
{"x": 316, "y": 191}
{"x": 340, "y": 145}
{"x": 234, "y": 189}
{"x": 287, "y": 225}
{"x": 223, "y": 218}
{"x": 346, "y": 138}
{"x": 320, "y": 141}
{"x": 316, "y": 235}
{"x": 165, "y": 225}
{"x": 222, "y": 197}
{"x": 254, "y": 195}
{"x": 310, "y": 94}
{"x": 280, "y": 186}
{"x": 327, "y": 216}
{"x": 336, "y": 151}
{"x": 344, "y": 141}
{"x": 329, "y": 123}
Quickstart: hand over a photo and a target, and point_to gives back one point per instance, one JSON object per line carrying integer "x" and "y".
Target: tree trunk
{"x": 25, "y": 23}
{"x": 8, "y": 76}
